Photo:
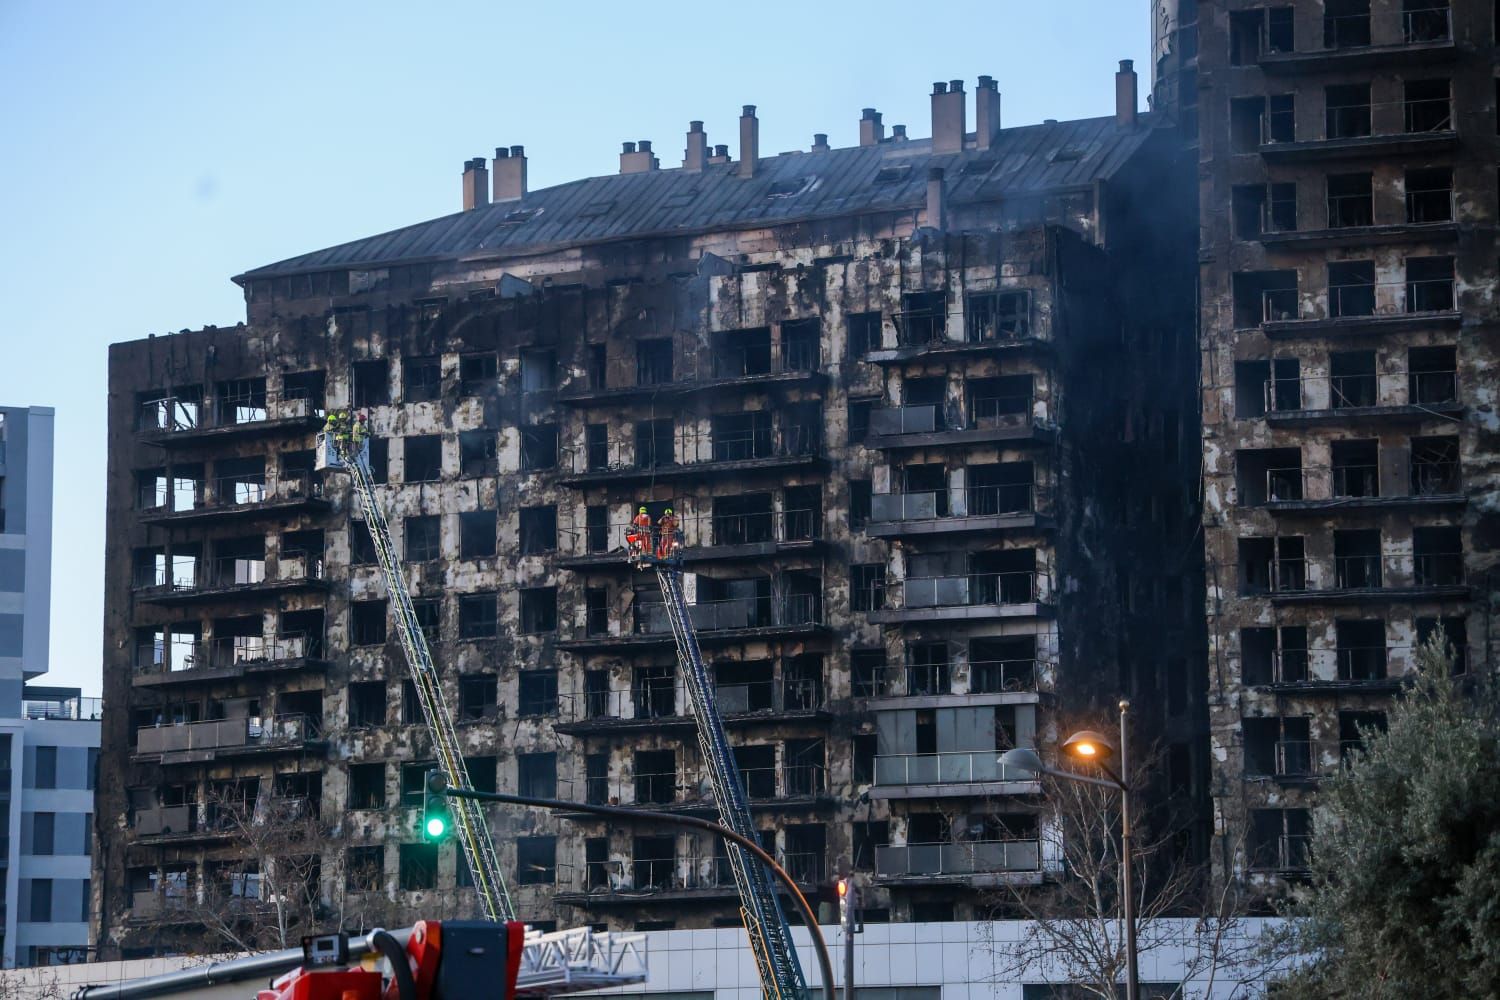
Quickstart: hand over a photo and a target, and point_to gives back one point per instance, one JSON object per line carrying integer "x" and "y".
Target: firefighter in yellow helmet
{"x": 638, "y": 539}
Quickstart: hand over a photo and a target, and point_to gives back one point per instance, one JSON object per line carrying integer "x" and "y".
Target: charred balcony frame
{"x": 228, "y": 658}
{"x": 239, "y": 497}
{"x": 238, "y": 409}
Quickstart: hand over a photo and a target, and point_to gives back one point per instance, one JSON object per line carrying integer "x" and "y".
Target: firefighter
{"x": 639, "y": 536}
{"x": 666, "y": 535}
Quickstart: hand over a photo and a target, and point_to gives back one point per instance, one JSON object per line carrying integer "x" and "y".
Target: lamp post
{"x": 1095, "y": 748}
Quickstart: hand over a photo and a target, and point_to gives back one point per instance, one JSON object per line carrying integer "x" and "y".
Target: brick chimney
{"x": 986, "y": 112}
{"x": 510, "y": 173}
{"x": 948, "y": 117}
{"x": 871, "y": 132}
{"x": 720, "y": 154}
{"x": 637, "y": 158}
{"x": 898, "y": 133}
{"x": 820, "y": 142}
{"x": 749, "y": 142}
{"x": 696, "y": 153}
{"x": 935, "y": 197}
{"x": 476, "y": 184}
{"x": 1125, "y": 93}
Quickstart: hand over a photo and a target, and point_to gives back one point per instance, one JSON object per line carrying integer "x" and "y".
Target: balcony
{"x": 1360, "y": 236}
{"x": 200, "y": 742}
{"x": 1386, "y": 397}
{"x": 703, "y": 538}
{"x": 1365, "y": 307}
{"x": 740, "y": 706}
{"x": 788, "y": 788}
{"x": 649, "y": 880}
{"x": 179, "y": 824}
{"x": 1362, "y": 130}
{"x": 973, "y": 596}
{"x": 1294, "y": 491}
{"x": 1004, "y": 419}
{"x": 730, "y": 455}
{"x": 977, "y": 863}
{"x": 717, "y": 623}
{"x": 229, "y": 578}
{"x": 185, "y": 421}
{"x": 1361, "y": 41}
{"x": 60, "y": 709}
{"x": 954, "y": 773}
{"x": 953, "y": 511}
{"x": 1005, "y": 328}
{"x": 998, "y": 681}
{"x": 238, "y": 497}
{"x": 743, "y": 369}
{"x": 226, "y": 658}
{"x": 1363, "y": 579}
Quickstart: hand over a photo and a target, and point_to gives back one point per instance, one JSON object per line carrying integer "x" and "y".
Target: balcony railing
{"x": 748, "y": 361}
{"x": 983, "y": 412}
{"x": 1343, "y": 392}
{"x": 785, "y": 695}
{"x": 970, "y": 858}
{"x": 1291, "y": 852}
{"x": 177, "y": 414}
{"x": 228, "y": 572}
{"x": 735, "y": 613}
{"x": 970, "y": 589}
{"x": 273, "y": 731}
{"x": 63, "y": 709}
{"x": 974, "y": 501}
{"x": 228, "y": 652}
{"x": 926, "y": 679}
{"x": 1361, "y": 663}
{"x": 951, "y": 767}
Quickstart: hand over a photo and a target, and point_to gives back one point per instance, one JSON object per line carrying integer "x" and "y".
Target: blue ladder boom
{"x": 760, "y": 908}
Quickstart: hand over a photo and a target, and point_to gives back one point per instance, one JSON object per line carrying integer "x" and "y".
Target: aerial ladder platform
{"x": 765, "y": 921}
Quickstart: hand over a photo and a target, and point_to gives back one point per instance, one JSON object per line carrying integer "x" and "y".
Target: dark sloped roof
{"x": 786, "y": 188}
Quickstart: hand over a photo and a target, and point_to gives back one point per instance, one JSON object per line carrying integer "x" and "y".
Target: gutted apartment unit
{"x": 923, "y": 407}
{"x": 1348, "y": 153}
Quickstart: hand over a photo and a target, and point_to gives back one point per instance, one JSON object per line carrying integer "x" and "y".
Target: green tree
{"x": 1405, "y": 893}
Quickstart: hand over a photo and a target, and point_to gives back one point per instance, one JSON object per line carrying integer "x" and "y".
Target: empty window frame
{"x": 367, "y": 786}
{"x": 538, "y": 371}
{"x": 1432, "y": 375}
{"x": 367, "y": 623}
{"x": 1438, "y": 556}
{"x": 1428, "y": 106}
{"x": 477, "y": 617}
{"x": 864, "y": 334}
{"x": 654, "y": 443}
{"x": 478, "y": 697}
{"x": 476, "y": 534}
{"x": 478, "y": 374}
{"x": 371, "y": 382}
{"x": 1346, "y": 24}
{"x": 538, "y": 447}
{"x": 478, "y": 454}
{"x": 423, "y": 538}
{"x": 423, "y": 458}
{"x": 653, "y": 361}
{"x": 1429, "y": 284}
{"x": 429, "y": 614}
{"x": 536, "y": 860}
{"x": 1429, "y": 195}
{"x": 1351, "y": 200}
{"x": 1347, "y": 110}
{"x": 1435, "y": 467}
{"x": 1351, "y": 288}
{"x": 1263, "y": 297}
{"x": 1001, "y": 315}
{"x": 538, "y": 610}
{"x": 421, "y": 379}
{"x": 537, "y": 693}
{"x": 538, "y": 530}
{"x": 366, "y": 704}
{"x": 536, "y": 775}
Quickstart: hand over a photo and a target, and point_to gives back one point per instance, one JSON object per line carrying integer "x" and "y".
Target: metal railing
{"x": 1342, "y": 482}
{"x": 972, "y": 501}
{"x": 278, "y": 730}
{"x": 1438, "y": 569}
{"x": 228, "y": 651}
{"x": 78, "y": 709}
{"x": 173, "y": 413}
{"x": 734, "y": 613}
{"x": 1357, "y": 572}
{"x": 1295, "y": 759}
{"x": 1435, "y": 478}
{"x": 1278, "y": 305}
{"x": 1361, "y": 663}
{"x": 969, "y": 589}
{"x": 784, "y": 695}
{"x": 764, "y": 359}
{"x": 969, "y": 858}
{"x": 947, "y": 767}
{"x": 700, "y": 531}
{"x": 926, "y": 679}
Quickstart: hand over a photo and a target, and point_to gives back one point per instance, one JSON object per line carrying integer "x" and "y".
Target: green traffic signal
{"x": 435, "y": 816}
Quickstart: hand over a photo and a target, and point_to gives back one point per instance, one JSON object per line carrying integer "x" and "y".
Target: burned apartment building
{"x": 1348, "y": 159}
{"x": 925, "y": 408}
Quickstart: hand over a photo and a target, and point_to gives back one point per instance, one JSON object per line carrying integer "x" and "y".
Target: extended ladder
{"x": 760, "y": 908}
{"x": 344, "y": 446}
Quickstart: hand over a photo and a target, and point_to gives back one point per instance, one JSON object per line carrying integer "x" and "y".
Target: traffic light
{"x": 437, "y": 821}
{"x": 848, "y": 903}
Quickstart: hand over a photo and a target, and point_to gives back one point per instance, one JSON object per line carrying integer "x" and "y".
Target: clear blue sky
{"x": 152, "y": 150}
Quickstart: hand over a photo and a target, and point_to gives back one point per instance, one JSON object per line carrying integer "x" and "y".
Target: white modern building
{"x": 49, "y": 737}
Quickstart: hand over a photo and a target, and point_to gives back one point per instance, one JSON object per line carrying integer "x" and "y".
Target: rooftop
{"x": 789, "y": 187}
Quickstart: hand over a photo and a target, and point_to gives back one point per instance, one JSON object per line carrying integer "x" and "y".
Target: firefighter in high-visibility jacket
{"x": 638, "y": 539}
{"x": 666, "y": 535}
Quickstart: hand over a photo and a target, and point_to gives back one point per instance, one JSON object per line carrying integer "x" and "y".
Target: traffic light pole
{"x": 820, "y": 947}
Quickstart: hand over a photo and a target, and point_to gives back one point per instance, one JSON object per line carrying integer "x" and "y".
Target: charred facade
{"x": 925, "y": 409}
{"x": 1348, "y": 198}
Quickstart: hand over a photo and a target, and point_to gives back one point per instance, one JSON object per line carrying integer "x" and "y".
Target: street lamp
{"x": 1095, "y": 748}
